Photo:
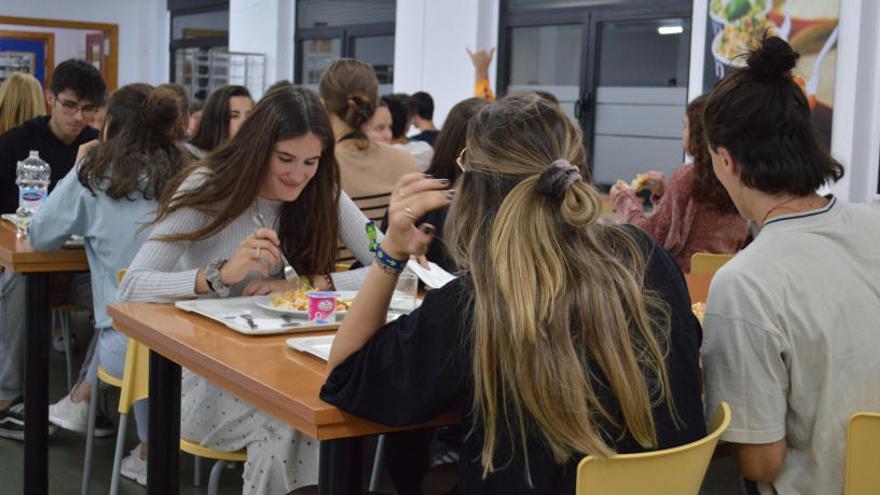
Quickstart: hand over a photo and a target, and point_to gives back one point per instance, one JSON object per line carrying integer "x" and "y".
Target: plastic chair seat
{"x": 200, "y": 450}
{"x": 107, "y": 378}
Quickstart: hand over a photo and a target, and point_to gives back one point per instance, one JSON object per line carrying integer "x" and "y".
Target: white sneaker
{"x": 134, "y": 468}
{"x": 73, "y": 416}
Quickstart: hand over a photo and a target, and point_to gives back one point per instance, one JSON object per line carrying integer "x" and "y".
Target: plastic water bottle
{"x": 33, "y": 176}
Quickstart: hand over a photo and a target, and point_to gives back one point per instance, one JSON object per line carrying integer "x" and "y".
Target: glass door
{"x": 640, "y": 93}
{"x": 618, "y": 68}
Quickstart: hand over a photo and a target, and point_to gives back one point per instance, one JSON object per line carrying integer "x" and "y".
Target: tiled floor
{"x": 66, "y": 450}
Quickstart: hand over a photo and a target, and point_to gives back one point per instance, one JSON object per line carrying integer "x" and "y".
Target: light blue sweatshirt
{"x": 113, "y": 231}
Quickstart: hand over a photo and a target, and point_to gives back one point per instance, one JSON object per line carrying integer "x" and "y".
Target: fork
{"x": 289, "y": 273}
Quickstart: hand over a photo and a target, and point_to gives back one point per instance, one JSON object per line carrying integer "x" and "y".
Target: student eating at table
{"x": 109, "y": 199}
{"x": 551, "y": 308}
{"x": 791, "y": 332}
{"x": 205, "y": 243}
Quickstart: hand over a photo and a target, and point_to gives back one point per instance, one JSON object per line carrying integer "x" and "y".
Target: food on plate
{"x": 733, "y": 10}
{"x": 738, "y": 38}
{"x": 299, "y": 301}
{"x": 699, "y": 308}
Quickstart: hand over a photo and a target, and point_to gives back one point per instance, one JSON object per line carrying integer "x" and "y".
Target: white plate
{"x": 265, "y": 302}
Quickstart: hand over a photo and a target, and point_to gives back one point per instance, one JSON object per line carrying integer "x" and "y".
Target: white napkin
{"x": 434, "y": 278}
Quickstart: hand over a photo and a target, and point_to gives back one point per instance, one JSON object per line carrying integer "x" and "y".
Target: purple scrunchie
{"x": 557, "y": 178}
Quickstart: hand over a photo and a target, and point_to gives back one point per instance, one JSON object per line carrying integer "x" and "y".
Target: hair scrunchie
{"x": 557, "y": 178}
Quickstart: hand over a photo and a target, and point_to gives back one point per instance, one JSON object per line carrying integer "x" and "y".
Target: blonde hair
{"x": 21, "y": 99}
{"x": 558, "y": 298}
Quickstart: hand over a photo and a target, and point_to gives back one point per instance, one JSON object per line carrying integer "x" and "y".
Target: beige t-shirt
{"x": 791, "y": 340}
{"x": 370, "y": 174}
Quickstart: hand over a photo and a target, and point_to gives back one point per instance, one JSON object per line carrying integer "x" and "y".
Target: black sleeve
{"x": 9, "y": 156}
{"x": 663, "y": 276}
{"x": 412, "y": 369}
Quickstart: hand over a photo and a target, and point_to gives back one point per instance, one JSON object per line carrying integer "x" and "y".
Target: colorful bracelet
{"x": 387, "y": 263}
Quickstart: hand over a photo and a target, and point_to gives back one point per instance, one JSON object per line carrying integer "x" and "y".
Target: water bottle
{"x": 33, "y": 176}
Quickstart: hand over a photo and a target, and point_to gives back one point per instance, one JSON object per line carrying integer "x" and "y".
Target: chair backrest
{"x": 708, "y": 262}
{"x": 675, "y": 471}
{"x": 862, "y": 438}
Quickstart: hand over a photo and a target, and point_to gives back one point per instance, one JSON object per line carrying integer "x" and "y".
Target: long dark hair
{"x": 706, "y": 188}
{"x": 214, "y": 126}
{"x": 308, "y": 227}
{"x": 451, "y": 139}
{"x": 762, "y": 117}
{"x": 141, "y": 141}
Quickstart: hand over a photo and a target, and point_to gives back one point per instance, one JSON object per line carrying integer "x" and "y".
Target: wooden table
{"x": 258, "y": 369}
{"x": 16, "y": 255}
{"x": 698, "y": 285}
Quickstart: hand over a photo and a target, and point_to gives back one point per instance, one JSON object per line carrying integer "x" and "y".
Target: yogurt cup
{"x": 322, "y": 306}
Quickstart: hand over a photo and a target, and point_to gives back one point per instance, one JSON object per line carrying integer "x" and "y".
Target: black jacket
{"x": 16, "y": 144}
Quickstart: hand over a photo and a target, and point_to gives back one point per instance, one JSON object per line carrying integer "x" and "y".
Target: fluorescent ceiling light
{"x": 670, "y": 30}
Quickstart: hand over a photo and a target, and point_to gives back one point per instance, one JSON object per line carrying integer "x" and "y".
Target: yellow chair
{"x": 342, "y": 267}
{"x": 708, "y": 263}
{"x": 675, "y": 471}
{"x": 862, "y": 438}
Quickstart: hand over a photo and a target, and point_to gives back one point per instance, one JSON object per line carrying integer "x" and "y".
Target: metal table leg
{"x": 36, "y": 386}
{"x": 163, "y": 457}
{"x": 340, "y": 469}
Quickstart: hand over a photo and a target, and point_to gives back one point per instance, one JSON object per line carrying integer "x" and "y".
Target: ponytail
{"x": 350, "y": 91}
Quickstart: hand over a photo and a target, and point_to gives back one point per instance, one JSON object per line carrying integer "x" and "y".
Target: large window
{"x": 327, "y": 30}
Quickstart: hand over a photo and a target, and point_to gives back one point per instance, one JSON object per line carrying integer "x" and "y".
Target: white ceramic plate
{"x": 265, "y": 302}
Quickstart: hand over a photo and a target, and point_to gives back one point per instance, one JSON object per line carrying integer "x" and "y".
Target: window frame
{"x": 346, "y": 33}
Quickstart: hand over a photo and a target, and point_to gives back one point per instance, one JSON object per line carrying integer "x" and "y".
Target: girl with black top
{"x": 562, "y": 337}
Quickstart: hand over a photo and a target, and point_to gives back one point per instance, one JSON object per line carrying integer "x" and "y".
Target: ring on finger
{"x": 409, "y": 213}
{"x": 401, "y": 192}
{"x": 258, "y": 251}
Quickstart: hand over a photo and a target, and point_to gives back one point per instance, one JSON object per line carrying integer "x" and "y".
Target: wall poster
{"x": 810, "y": 26}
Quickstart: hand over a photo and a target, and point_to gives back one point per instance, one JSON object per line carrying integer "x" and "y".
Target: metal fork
{"x": 289, "y": 273}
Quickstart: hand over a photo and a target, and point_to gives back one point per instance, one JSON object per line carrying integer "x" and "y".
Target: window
{"x": 199, "y": 31}
{"x": 327, "y": 30}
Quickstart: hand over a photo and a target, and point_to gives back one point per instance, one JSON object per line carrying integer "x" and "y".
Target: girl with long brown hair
{"x": 561, "y": 338}
{"x": 692, "y": 212}
{"x": 279, "y": 165}
{"x": 108, "y": 198}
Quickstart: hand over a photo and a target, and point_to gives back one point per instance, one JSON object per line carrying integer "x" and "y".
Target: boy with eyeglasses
{"x": 77, "y": 91}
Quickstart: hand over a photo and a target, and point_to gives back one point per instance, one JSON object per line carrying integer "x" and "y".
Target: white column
{"x": 430, "y": 42}
{"x": 698, "y": 48}
{"x": 265, "y": 27}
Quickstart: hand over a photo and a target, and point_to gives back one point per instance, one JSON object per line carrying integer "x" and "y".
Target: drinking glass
{"x": 404, "y": 298}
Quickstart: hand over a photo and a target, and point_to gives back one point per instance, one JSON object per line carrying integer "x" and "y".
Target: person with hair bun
{"x": 108, "y": 198}
{"x": 551, "y": 307}
{"x": 791, "y": 332}
{"x": 369, "y": 170}
{"x": 692, "y": 213}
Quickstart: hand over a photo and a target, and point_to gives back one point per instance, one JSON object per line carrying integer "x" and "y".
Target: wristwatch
{"x": 212, "y": 277}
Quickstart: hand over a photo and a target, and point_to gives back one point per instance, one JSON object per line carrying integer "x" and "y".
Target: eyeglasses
{"x": 70, "y": 107}
{"x": 460, "y": 159}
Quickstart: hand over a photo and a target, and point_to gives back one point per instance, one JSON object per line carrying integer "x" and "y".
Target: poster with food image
{"x": 810, "y": 26}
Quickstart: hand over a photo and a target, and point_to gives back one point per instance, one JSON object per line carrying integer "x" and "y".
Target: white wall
{"x": 430, "y": 41}
{"x": 143, "y": 30}
{"x": 69, "y": 43}
{"x": 266, "y": 27}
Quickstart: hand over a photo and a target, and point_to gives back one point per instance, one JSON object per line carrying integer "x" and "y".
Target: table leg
{"x": 163, "y": 457}
{"x": 340, "y": 469}
{"x": 36, "y": 386}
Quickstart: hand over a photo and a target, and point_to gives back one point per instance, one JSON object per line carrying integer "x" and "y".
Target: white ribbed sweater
{"x": 166, "y": 271}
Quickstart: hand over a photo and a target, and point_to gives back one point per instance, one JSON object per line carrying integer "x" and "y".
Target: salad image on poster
{"x": 810, "y": 26}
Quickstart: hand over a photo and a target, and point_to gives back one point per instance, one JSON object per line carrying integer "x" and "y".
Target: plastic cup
{"x": 322, "y": 307}
{"x": 405, "y": 292}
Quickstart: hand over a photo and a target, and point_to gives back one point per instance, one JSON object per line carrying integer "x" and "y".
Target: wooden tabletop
{"x": 17, "y": 255}
{"x": 698, "y": 286}
{"x": 259, "y": 369}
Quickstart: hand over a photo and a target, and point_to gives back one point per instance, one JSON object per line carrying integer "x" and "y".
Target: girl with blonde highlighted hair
{"x": 560, "y": 338}
{"x": 21, "y": 99}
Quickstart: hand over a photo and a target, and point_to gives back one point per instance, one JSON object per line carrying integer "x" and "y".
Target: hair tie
{"x": 557, "y": 178}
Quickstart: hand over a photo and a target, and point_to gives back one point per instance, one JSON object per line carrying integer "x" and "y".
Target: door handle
{"x": 582, "y": 106}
